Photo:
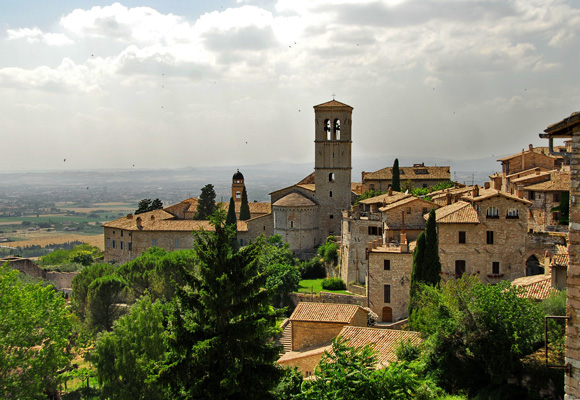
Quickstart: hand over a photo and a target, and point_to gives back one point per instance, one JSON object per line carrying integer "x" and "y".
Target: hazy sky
{"x": 170, "y": 83}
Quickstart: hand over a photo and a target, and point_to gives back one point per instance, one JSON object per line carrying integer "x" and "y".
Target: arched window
{"x": 492, "y": 212}
{"x": 238, "y": 195}
{"x": 291, "y": 224}
{"x": 331, "y": 177}
{"x": 327, "y": 129}
{"x": 512, "y": 213}
{"x": 330, "y": 194}
{"x": 336, "y": 129}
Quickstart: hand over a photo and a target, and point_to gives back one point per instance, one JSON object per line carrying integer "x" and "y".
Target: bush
{"x": 312, "y": 269}
{"x": 333, "y": 284}
{"x": 70, "y": 267}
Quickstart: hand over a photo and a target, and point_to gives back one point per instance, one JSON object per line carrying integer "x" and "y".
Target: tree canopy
{"x": 34, "y": 329}
{"x": 146, "y": 205}
{"x": 221, "y": 327}
{"x": 206, "y": 205}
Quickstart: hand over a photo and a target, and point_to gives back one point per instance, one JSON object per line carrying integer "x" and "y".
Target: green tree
{"x": 275, "y": 251}
{"x": 281, "y": 279}
{"x": 244, "y": 207}
{"x": 81, "y": 283}
{"x": 431, "y": 261}
{"x": 83, "y": 257}
{"x": 34, "y": 329}
{"x": 146, "y": 205}
{"x": 127, "y": 358}
{"x": 206, "y": 205}
{"x": 563, "y": 208}
{"x": 329, "y": 252}
{"x": 396, "y": 182}
{"x": 477, "y": 333}
{"x": 221, "y": 328}
{"x": 104, "y": 306}
{"x": 231, "y": 218}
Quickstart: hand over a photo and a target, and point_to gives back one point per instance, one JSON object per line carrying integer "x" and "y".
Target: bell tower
{"x": 332, "y": 164}
{"x": 237, "y": 186}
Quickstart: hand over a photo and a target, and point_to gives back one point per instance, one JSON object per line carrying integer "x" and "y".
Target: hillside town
{"x": 516, "y": 229}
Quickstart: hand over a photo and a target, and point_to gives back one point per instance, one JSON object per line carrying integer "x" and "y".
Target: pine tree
{"x": 431, "y": 261}
{"x": 222, "y": 324}
{"x": 396, "y": 181}
{"x": 206, "y": 205}
{"x": 244, "y": 207}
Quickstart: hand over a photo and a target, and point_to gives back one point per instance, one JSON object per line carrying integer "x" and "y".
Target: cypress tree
{"x": 231, "y": 218}
{"x": 396, "y": 181}
{"x": 206, "y": 205}
{"x": 221, "y": 325}
{"x": 244, "y": 207}
{"x": 431, "y": 261}
{"x": 417, "y": 274}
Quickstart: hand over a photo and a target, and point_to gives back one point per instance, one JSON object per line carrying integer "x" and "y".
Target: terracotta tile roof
{"x": 418, "y": 172}
{"x": 325, "y": 312}
{"x": 461, "y": 212}
{"x": 537, "y": 287}
{"x": 485, "y": 194}
{"x": 561, "y": 257}
{"x": 527, "y": 172}
{"x": 305, "y": 352}
{"x": 408, "y": 200}
{"x": 333, "y": 103}
{"x": 384, "y": 341}
{"x": 385, "y": 199}
{"x": 255, "y": 207}
{"x": 183, "y": 206}
{"x": 561, "y": 127}
{"x": 309, "y": 187}
{"x": 558, "y": 183}
{"x": 545, "y": 151}
{"x": 294, "y": 200}
{"x": 453, "y": 191}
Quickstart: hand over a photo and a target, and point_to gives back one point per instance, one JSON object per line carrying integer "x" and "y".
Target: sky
{"x": 171, "y": 84}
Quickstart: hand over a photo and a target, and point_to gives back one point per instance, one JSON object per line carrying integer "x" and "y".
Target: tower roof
{"x": 332, "y": 104}
{"x": 238, "y": 175}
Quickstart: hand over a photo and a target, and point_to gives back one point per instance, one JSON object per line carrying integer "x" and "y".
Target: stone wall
{"x": 326, "y": 297}
{"x": 60, "y": 280}
{"x": 398, "y": 277}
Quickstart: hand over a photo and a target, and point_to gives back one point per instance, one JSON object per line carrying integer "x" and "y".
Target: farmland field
{"x": 58, "y": 237}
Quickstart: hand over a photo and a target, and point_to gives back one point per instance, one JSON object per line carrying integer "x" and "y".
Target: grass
{"x": 315, "y": 286}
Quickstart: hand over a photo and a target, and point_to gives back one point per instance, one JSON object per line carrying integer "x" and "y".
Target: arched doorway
{"x": 533, "y": 266}
{"x": 387, "y": 314}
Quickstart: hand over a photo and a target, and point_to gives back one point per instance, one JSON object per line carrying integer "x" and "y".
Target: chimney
{"x": 531, "y": 147}
{"x": 129, "y": 216}
{"x": 152, "y": 217}
{"x": 520, "y": 191}
{"x": 390, "y": 191}
{"x": 486, "y": 185}
{"x": 448, "y": 198}
{"x": 139, "y": 225}
{"x": 404, "y": 243}
{"x": 537, "y": 171}
{"x": 476, "y": 191}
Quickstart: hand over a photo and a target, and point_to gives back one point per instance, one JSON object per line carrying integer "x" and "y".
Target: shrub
{"x": 333, "y": 284}
{"x": 312, "y": 269}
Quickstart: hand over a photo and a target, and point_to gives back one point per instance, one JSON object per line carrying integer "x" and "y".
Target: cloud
{"x": 35, "y": 35}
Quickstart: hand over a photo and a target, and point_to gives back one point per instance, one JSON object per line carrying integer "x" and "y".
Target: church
{"x": 304, "y": 214}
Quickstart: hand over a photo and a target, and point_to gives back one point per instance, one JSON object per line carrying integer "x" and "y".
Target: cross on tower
{"x": 333, "y": 95}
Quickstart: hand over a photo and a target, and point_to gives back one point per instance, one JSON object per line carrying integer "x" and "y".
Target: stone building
{"x": 313, "y": 326}
{"x": 545, "y": 196}
{"x": 171, "y": 228}
{"x": 569, "y": 127}
{"x": 306, "y": 213}
{"x": 419, "y": 175}
{"x": 485, "y": 234}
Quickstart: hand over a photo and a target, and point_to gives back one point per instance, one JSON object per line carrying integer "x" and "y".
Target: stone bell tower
{"x": 332, "y": 164}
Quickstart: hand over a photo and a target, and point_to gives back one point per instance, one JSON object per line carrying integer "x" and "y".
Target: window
{"x": 330, "y": 194}
{"x": 121, "y": 235}
{"x": 375, "y": 230}
{"x": 459, "y": 268}
{"x": 130, "y": 246}
{"x": 331, "y": 177}
{"x": 121, "y": 244}
{"x": 489, "y": 237}
{"x": 387, "y": 293}
{"x": 154, "y": 242}
{"x": 408, "y": 210}
{"x": 492, "y": 212}
{"x": 556, "y": 216}
{"x": 176, "y": 243}
{"x": 556, "y": 197}
{"x": 238, "y": 195}
{"x": 372, "y": 186}
{"x": 108, "y": 242}
{"x": 308, "y": 373}
{"x": 291, "y": 224}
{"x": 424, "y": 210}
{"x": 331, "y": 216}
{"x": 424, "y": 185}
{"x": 336, "y": 129}
{"x": 531, "y": 195}
{"x": 462, "y": 237}
{"x": 327, "y": 129}
{"x": 241, "y": 242}
{"x": 495, "y": 267}
{"x": 513, "y": 213}
{"x": 114, "y": 244}
{"x": 387, "y": 265}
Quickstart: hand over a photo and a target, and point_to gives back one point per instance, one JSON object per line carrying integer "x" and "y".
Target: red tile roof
{"x": 294, "y": 200}
{"x": 413, "y": 173}
{"x": 537, "y": 287}
{"x": 461, "y": 212}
